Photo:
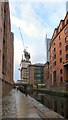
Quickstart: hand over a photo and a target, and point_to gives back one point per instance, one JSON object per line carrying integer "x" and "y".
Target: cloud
{"x": 29, "y": 28}
{"x": 34, "y": 22}
{"x": 17, "y": 50}
{"x": 37, "y": 1}
{"x": 12, "y": 8}
{"x": 30, "y": 22}
{"x": 54, "y": 12}
{"x": 33, "y": 29}
{"x": 16, "y": 72}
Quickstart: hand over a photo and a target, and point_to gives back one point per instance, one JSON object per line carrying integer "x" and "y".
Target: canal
{"x": 55, "y": 103}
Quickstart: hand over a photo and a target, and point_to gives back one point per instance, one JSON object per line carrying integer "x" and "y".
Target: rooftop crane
{"x": 26, "y": 54}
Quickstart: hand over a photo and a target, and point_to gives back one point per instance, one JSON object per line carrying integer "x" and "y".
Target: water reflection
{"x": 56, "y": 103}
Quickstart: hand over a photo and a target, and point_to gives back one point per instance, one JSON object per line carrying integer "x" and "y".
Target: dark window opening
{"x": 66, "y": 39}
{"x": 66, "y": 56}
{"x": 66, "y": 47}
{"x": 67, "y": 22}
{"x": 54, "y": 76}
{"x": 60, "y": 52}
{"x": 60, "y": 71}
{"x": 60, "y": 60}
{"x": 60, "y": 44}
{"x": 54, "y": 49}
{"x": 61, "y": 79}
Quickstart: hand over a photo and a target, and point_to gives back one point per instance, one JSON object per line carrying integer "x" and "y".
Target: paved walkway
{"x": 16, "y": 105}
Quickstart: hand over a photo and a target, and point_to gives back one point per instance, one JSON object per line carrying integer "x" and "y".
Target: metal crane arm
{"x": 22, "y": 38}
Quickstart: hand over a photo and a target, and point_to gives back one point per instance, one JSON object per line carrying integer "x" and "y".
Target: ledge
{"x": 42, "y": 110}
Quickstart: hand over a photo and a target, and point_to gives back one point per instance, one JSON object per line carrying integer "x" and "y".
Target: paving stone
{"x": 43, "y": 110}
{"x": 16, "y": 105}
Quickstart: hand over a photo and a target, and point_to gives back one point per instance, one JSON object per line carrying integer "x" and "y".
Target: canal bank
{"x": 62, "y": 93}
{"x": 54, "y": 102}
{"x": 43, "y": 111}
{"x": 18, "y": 105}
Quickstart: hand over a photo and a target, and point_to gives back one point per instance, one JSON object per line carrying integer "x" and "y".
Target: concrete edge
{"x": 45, "y": 112}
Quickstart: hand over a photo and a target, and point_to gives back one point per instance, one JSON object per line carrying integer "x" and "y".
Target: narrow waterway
{"x": 55, "y": 103}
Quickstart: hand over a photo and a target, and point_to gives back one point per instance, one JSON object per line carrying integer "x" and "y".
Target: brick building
{"x": 31, "y": 74}
{"x": 59, "y": 53}
{"x": 46, "y": 74}
{"x": 36, "y": 74}
{"x": 6, "y": 46}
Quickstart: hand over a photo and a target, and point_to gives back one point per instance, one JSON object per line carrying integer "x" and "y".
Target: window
{"x": 66, "y": 47}
{"x": 65, "y": 31}
{"x": 60, "y": 52}
{"x": 59, "y": 36}
{"x": 66, "y": 56}
{"x": 3, "y": 41}
{"x": 3, "y": 56}
{"x": 54, "y": 49}
{"x": 60, "y": 44}
{"x": 4, "y": 24}
{"x": 54, "y": 43}
{"x": 66, "y": 39}
{"x": 60, "y": 60}
{"x": 50, "y": 76}
{"x": 54, "y": 56}
{"x": 67, "y": 22}
{"x": 61, "y": 79}
{"x": 55, "y": 63}
{"x": 54, "y": 76}
{"x": 62, "y": 113}
{"x": 60, "y": 71}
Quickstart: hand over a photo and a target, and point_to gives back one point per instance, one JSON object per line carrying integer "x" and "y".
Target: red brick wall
{"x": 31, "y": 74}
{"x": 56, "y": 44}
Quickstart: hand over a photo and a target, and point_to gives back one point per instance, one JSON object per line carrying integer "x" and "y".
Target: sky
{"x": 36, "y": 18}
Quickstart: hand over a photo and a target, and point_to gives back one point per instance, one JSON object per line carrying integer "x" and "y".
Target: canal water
{"x": 55, "y": 103}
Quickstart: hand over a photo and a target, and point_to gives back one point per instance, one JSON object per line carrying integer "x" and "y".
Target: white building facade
{"x": 23, "y": 70}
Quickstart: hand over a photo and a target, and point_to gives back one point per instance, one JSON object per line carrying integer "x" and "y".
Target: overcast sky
{"x": 36, "y": 19}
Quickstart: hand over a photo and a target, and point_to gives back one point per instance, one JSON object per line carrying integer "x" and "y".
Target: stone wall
{"x": 6, "y": 88}
{"x": 59, "y": 87}
{"x": 0, "y": 88}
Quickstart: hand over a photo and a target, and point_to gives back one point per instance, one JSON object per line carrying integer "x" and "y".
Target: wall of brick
{"x": 59, "y": 87}
{"x": 6, "y": 88}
